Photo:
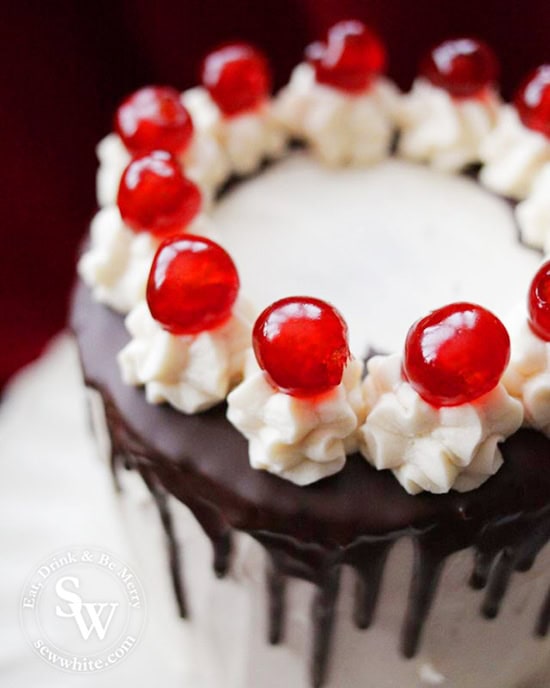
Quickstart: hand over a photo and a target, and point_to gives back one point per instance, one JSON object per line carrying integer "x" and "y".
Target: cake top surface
{"x": 384, "y": 244}
{"x": 371, "y": 233}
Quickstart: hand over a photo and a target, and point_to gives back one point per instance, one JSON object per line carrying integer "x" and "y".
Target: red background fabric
{"x": 66, "y": 64}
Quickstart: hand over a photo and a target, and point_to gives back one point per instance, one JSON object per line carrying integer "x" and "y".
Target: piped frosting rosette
{"x": 519, "y": 147}
{"x": 300, "y": 409}
{"x": 338, "y": 102}
{"x": 234, "y": 106}
{"x": 223, "y": 127}
{"x": 155, "y": 200}
{"x": 190, "y": 337}
{"x": 452, "y": 107}
{"x": 528, "y": 374}
{"x": 436, "y": 415}
{"x": 155, "y": 118}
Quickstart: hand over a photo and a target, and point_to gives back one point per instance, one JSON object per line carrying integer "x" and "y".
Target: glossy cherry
{"x": 237, "y": 77}
{"x": 192, "y": 285}
{"x": 155, "y": 196}
{"x": 464, "y": 67}
{"x": 456, "y": 354}
{"x": 154, "y": 118}
{"x": 301, "y": 343}
{"x": 349, "y": 59}
{"x": 532, "y": 100}
{"x": 539, "y": 303}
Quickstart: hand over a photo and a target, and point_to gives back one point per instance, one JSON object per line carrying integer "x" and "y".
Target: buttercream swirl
{"x": 246, "y": 139}
{"x": 442, "y": 130}
{"x": 299, "y": 439}
{"x": 528, "y": 374}
{"x": 428, "y": 448}
{"x": 204, "y": 162}
{"x": 512, "y": 155}
{"x": 117, "y": 263}
{"x": 190, "y": 372}
{"x": 342, "y": 128}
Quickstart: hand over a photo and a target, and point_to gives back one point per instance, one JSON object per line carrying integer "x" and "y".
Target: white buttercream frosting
{"x": 299, "y": 439}
{"x": 191, "y": 372}
{"x": 113, "y": 159}
{"x": 533, "y": 214}
{"x": 342, "y": 128}
{"x": 428, "y": 448}
{"x": 117, "y": 263}
{"x": 246, "y": 139}
{"x": 204, "y": 162}
{"x": 528, "y": 374}
{"x": 512, "y": 155}
{"x": 442, "y": 130}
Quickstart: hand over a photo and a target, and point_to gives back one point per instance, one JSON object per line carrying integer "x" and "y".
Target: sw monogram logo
{"x": 90, "y": 617}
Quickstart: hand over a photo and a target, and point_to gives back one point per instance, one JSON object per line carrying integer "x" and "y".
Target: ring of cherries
{"x": 453, "y": 356}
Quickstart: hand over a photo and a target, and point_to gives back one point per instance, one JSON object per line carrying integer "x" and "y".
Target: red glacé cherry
{"x": 351, "y": 57}
{"x": 532, "y": 100}
{"x": 301, "y": 343}
{"x": 539, "y": 303}
{"x": 154, "y": 118}
{"x": 237, "y": 77}
{"x": 192, "y": 285}
{"x": 464, "y": 67}
{"x": 456, "y": 354}
{"x": 155, "y": 196}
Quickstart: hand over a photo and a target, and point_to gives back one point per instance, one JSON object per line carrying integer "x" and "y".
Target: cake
{"x": 265, "y": 470}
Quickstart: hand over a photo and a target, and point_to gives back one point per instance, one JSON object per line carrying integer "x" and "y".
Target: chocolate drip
{"x": 276, "y": 587}
{"x": 505, "y": 546}
{"x": 538, "y": 536}
{"x": 217, "y": 531}
{"x": 161, "y": 499}
{"x": 427, "y": 567}
{"x": 498, "y": 584}
{"x": 543, "y": 621}
{"x": 323, "y": 610}
{"x": 352, "y": 518}
{"x": 482, "y": 567}
{"x": 368, "y": 560}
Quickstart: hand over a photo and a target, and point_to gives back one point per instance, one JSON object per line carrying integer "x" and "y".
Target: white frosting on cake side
{"x": 528, "y": 374}
{"x": 191, "y": 372}
{"x": 342, "y": 128}
{"x": 117, "y": 263}
{"x": 429, "y": 448}
{"x": 229, "y": 649}
{"x": 533, "y": 214}
{"x": 512, "y": 156}
{"x": 441, "y": 130}
{"x": 301, "y": 439}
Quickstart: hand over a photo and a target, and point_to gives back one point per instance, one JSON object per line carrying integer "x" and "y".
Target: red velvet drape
{"x": 65, "y": 64}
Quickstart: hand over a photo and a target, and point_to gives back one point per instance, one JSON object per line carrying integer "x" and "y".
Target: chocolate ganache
{"x": 352, "y": 518}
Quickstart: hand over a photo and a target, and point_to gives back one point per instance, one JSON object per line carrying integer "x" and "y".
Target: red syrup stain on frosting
{"x": 202, "y": 462}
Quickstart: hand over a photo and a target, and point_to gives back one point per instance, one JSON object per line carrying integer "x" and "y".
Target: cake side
{"x": 311, "y": 533}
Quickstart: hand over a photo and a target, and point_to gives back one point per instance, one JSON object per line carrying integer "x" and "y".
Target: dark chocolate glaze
{"x": 351, "y": 518}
